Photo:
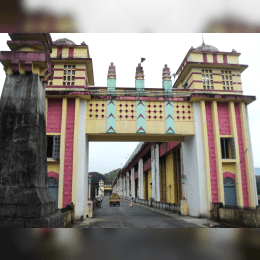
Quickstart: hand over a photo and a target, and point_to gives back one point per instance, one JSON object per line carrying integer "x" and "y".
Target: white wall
{"x": 82, "y": 165}
{"x": 193, "y": 168}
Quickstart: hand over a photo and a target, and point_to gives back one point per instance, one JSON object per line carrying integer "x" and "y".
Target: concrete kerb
{"x": 200, "y": 222}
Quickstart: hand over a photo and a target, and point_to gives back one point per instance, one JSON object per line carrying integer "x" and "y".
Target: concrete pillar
{"x": 141, "y": 178}
{"x": 153, "y": 171}
{"x": 127, "y": 184}
{"x": 25, "y": 201}
{"x": 120, "y": 186}
{"x": 157, "y": 172}
{"x": 82, "y": 163}
{"x": 133, "y": 182}
{"x": 196, "y": 165}
{"x": 124, "y": 191}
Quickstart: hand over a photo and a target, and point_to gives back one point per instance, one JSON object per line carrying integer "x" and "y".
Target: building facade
{"x": 197, "y": 147}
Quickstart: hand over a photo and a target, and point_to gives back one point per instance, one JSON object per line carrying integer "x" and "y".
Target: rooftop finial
{"x": 203, "y": 40}
{"x": 111, "y": 71}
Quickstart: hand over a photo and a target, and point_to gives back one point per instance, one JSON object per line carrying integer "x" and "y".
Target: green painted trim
{"x": 111, "y": 117}
{"x": 139, "y": 84}
{"x": 111, "y": 86}
{"x": 169, "y": 118}
{"x": 167, "y": 85}
{"x": 140, "y": 117}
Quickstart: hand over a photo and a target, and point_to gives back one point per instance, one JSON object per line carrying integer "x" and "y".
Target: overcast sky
{"x": 147, "y": 15}
{"x": 126, "y": 50}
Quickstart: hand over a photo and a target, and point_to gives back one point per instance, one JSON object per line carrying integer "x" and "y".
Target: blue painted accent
{"x": 230, "y": 192}
{"x": 169, "y": 118}
{"x": 53, "y": 184}
{"x": 140, "y": 117}
{"x": 111, "y": 116}
{"x": 139, "y": 84}
{"x": 167, "y": 85}
{"x": 111, "y": 85}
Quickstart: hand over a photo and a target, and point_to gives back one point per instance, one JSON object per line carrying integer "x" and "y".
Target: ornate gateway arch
{"x": 205, "y": 110}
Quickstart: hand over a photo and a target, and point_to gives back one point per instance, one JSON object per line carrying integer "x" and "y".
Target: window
{"x": 69, "y": 70}
{"x": 186, "y": 85}
{"x": 208, "y": 83}
{"x": 228, "y": 148}
{"x": 53, "y": 146}
{"x": 228, "y": 79}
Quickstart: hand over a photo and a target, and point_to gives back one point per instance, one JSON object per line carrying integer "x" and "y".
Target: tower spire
{"x": 203, "y": 40}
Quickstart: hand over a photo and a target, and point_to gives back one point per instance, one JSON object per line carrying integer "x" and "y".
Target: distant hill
{"x": 111, "y": 175}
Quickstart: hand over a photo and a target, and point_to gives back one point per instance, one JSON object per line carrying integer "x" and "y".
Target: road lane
{"x": 137, "y": 216}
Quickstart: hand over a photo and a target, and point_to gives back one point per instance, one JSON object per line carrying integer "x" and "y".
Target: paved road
{"x": 135, "y": 217}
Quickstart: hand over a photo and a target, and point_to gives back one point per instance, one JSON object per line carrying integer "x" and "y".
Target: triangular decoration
{"x": 111, "y": 101}
{"x": 169, "y": 103}
{"x": 140, "y": 129}
{"x": 170, "y": 116}
{"x": 111, "y": 115}
{"x": 111, "y": 128}
{"x": 141, "y": 116}
{"x": 140, "y": 102}
{"x": 170, "y": 129}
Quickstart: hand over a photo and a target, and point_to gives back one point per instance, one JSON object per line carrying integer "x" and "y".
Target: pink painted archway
{"x": 53, "y": 174}
{"x": 229, "y": 174}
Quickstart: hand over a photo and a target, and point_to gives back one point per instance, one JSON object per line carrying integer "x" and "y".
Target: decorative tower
{"x": 111, "y": 78}
{"x": 167, "y": 81}
{"x": 139, "y": 78}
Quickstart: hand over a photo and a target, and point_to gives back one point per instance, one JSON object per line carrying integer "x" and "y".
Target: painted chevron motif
{"x": 140, "y": 103}
{"x": 112, "y": 130}
{"x": 111, "y": 116}
{"x": 141, "y": 130}
{"x": 168, "y": 103}
{"x": 169, "y": 115}
{"x": 140, "y": 115}
{"x": 111, "y": 102}
{"x": 170, "y": 131}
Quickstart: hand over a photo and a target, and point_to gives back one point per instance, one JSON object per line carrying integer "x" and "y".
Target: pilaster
{"x": 218, "y": 151}
{"x": 133, "y": 182}
{"x": 141, "y": 177}
{"x": 206, "y": 154}
{"x": 248, "y": 156}
{"x": 233, "y": 125}
{"x": 62, "y": 151}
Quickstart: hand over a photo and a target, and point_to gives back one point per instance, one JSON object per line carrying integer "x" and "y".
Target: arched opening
{"x": 230, "y": 192}
{"x": 53, "y": 185}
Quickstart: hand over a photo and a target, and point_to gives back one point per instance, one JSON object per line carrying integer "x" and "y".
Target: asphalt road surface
{"x": 137, "y": 216}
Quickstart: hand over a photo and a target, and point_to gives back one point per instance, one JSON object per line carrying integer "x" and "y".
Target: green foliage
{"x": 111, "y": 175}
{"x": 96, "y": 177}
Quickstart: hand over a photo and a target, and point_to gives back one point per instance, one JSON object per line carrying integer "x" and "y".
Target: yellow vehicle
{"x": 114, "y": 199}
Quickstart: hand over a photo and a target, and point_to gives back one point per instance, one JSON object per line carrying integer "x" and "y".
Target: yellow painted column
{"x": 170, "y": 179}
{"x": 163, "y": 173}
{"x": 247, "y": 158}
{"x": 218, "y": 151}
{"x": 206, "y": 154}
{"x": 75, "y": 150}
{"x": 233, "y": 124}
{"x": 149, "y": 177}
{"x": 144, "y": 183}
{"x": 62, "y": 150}
{"x": 181, "y": 185}
{"x": 179, "y": 177}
